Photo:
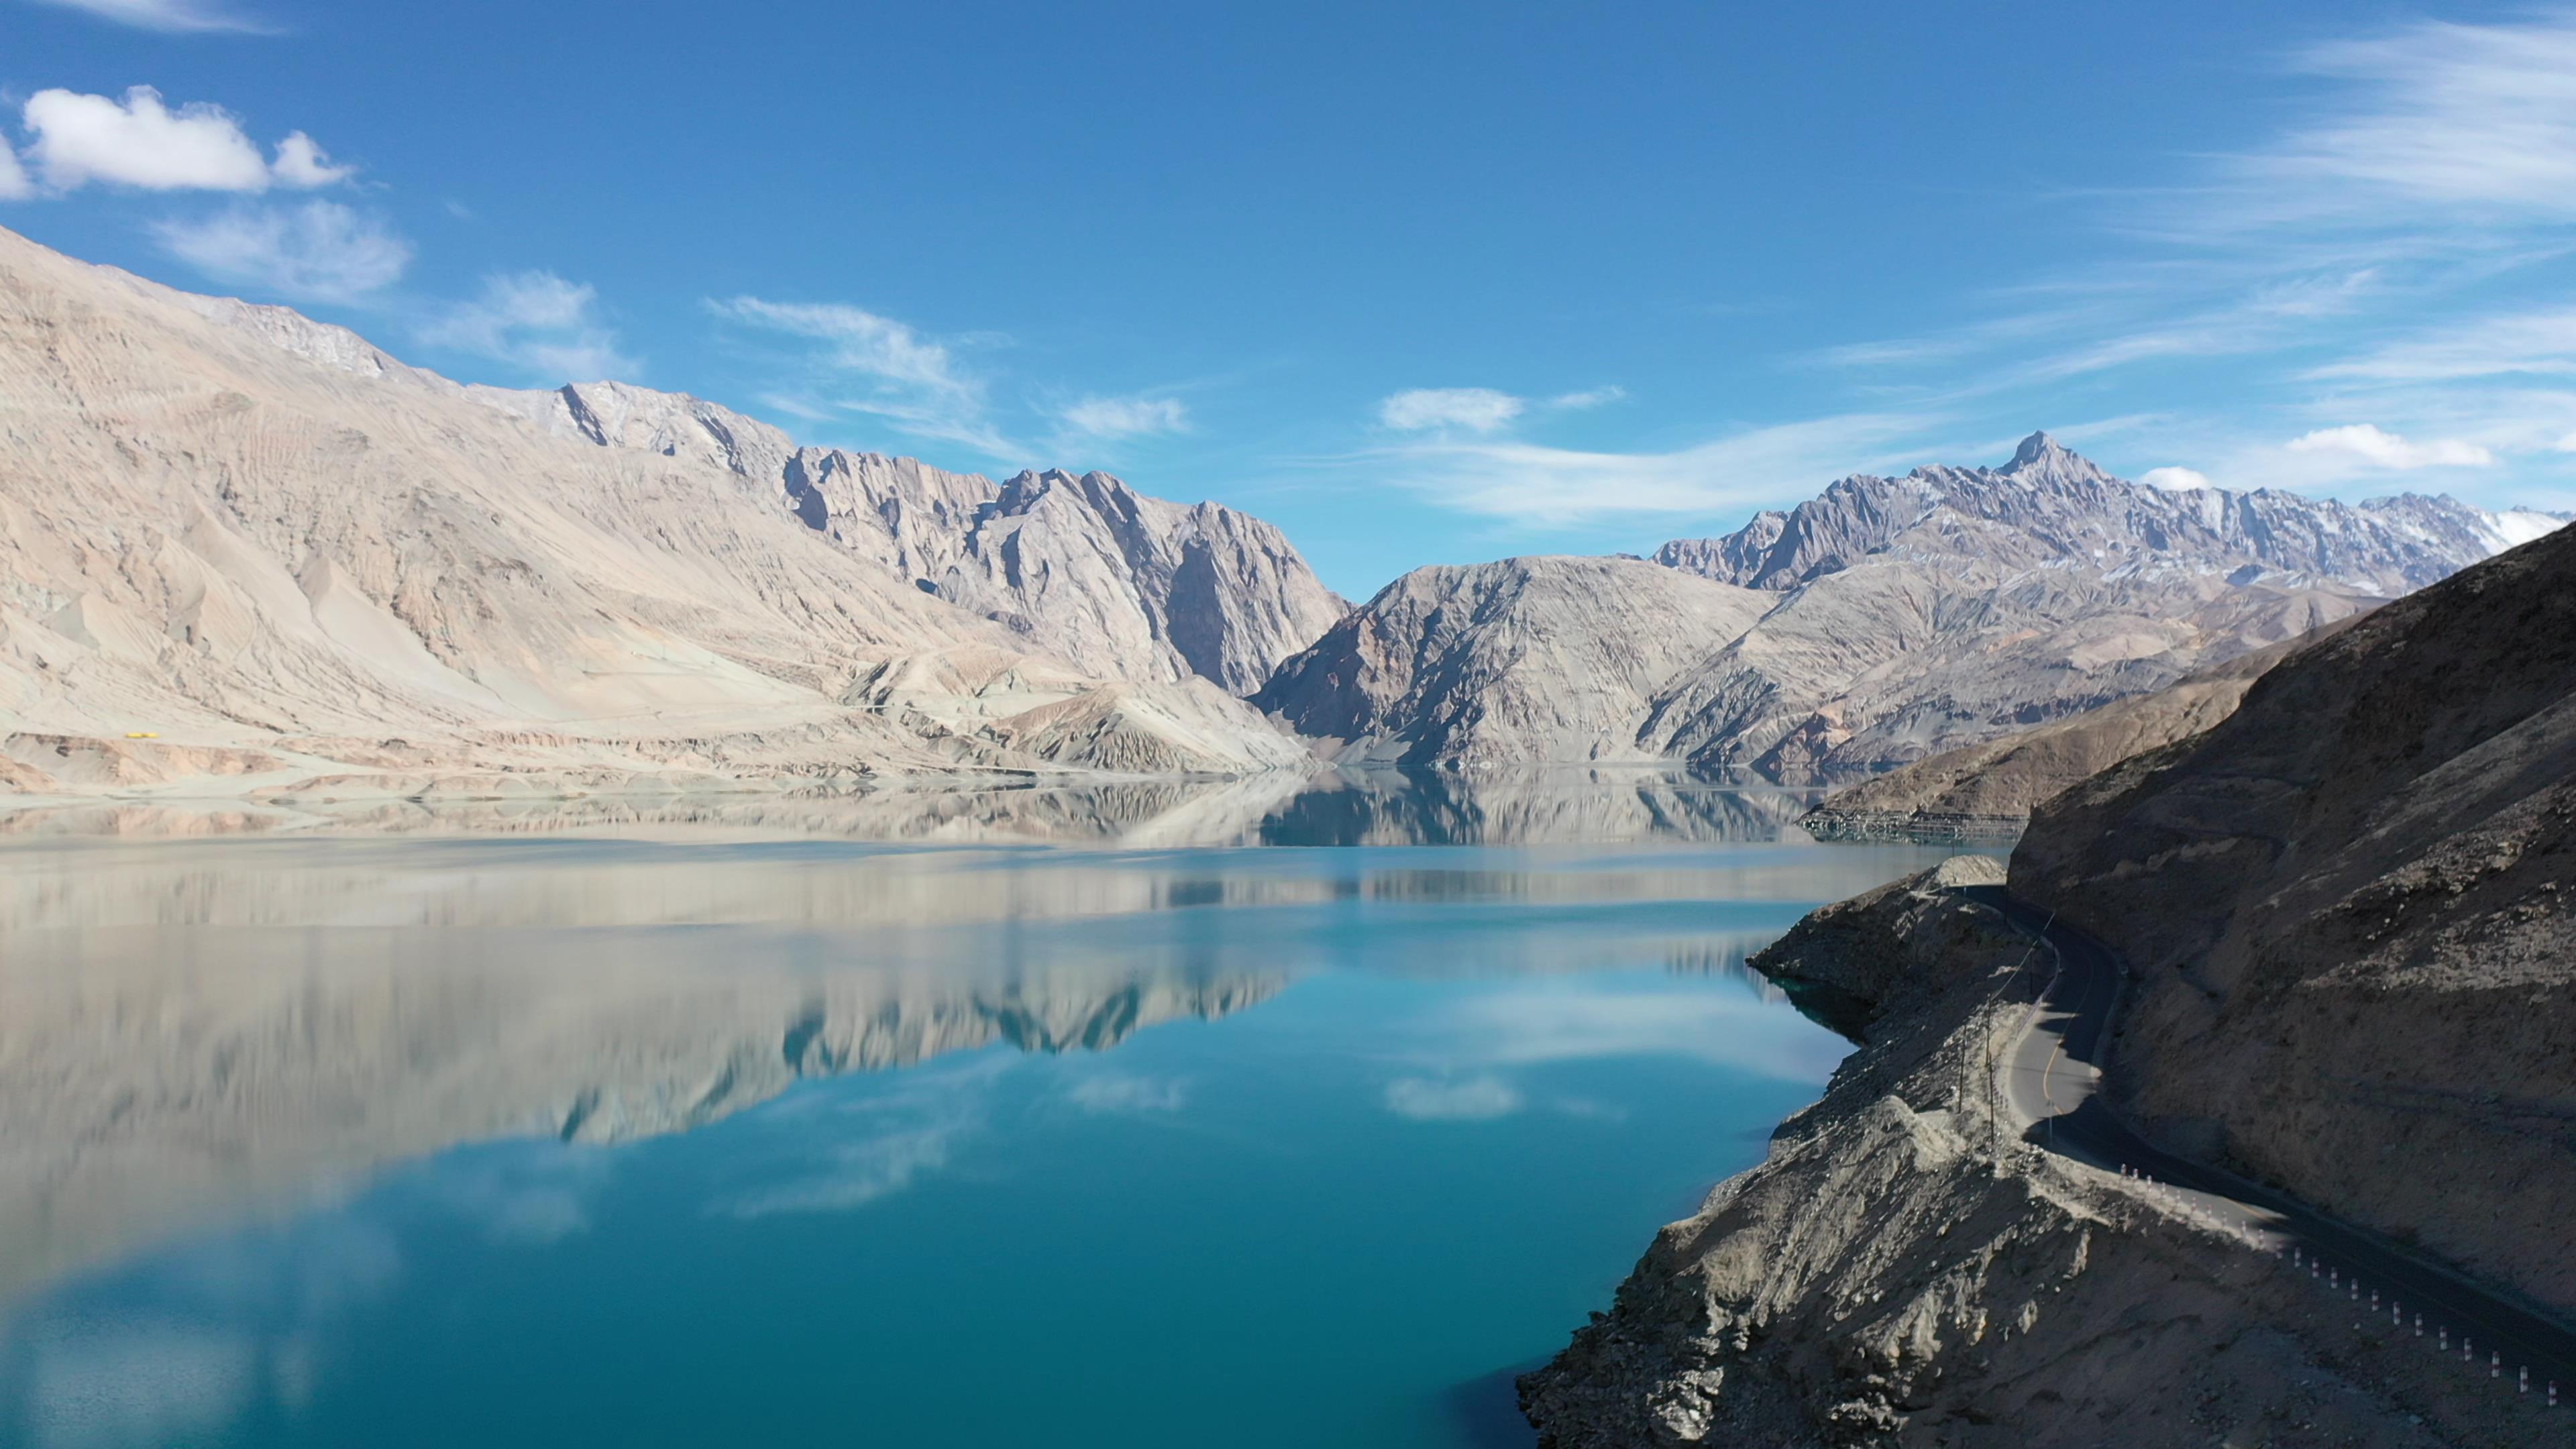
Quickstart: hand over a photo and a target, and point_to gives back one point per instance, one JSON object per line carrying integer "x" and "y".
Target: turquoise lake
{"x": 1292, "y": 1121}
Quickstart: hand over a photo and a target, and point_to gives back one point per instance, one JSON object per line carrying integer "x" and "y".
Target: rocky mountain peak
{"x": 2042, "y": 459}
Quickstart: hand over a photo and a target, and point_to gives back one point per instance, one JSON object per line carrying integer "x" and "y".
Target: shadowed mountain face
{"x": 2350, "y": 905}
{"x": 2344, "y": 909}
{"x": 282, "y": 555}
{"x": 1884, "y": 621}
{"x": 1993, "y": 786}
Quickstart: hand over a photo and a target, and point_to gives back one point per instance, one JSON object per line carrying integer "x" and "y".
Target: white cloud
{"x": 1474, "y": 1100}
{"x": 912, "y": 381}
{"x": 2479, "y": 118}
{"x": 1126, "y": 417}
{"x": 1528, "y": 483}
{"x": 540, "y": 322}
{"x": 2365, "y": 443}
{"x": 1112, "y": 1092}
{"x": 1550, "y": 1021}
{"x": 140, "y": 142}
{"x": 1588, "y": 398}
{"x": 2566, "y": 444}
{"x": 2421, "y": 160}
{"x": 859, "y": 1173}
{"x": 14, "y": 184}
{"x": 304, "y": 166}
{"x": 320, "y": 251}
{"x": 2525, "y": 341}
{"x": 173, "y": 15}
{"x": 872, "y": 1144}
{"x": 2174, "y": 480}
{"x": 1477, "y": 409}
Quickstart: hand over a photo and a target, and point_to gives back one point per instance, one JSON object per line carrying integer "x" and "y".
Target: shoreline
{"x": 1895, "y": 1272}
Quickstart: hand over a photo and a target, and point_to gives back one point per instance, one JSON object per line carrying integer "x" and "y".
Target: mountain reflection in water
{"x": 1334, "y": 807}
{"x": 198, "y": 1035}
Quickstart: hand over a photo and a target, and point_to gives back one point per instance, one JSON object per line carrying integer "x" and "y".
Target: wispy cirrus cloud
{"x": 2537, "y": 342}
{"x": 139, "y": 142}
{"x": 536, "y": 321}
{"x": 1475, "y": 409}
{"x": 318, "y": 252}
{"x": 1529, "y": 483}
{"x": 177, "y": 16}
{"x": 872, "y": 364}
{"x": 2477, "y": 119}
{"x": 1476, "y": 1099}
{"x": 1112, "y": 418}
{"x": 1122, "y": 1094}
{"x": 1478, "y": 409}
{"x": 882, "y": 1139}
{"x": 2431, "y": 162}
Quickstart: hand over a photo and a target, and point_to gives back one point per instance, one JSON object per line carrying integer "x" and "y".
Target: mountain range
{"x": 238, "y": 543}
{"x": 1883, "y": 621}
{"x": 2338, "y": 918}
{"x": 245, "y": 551}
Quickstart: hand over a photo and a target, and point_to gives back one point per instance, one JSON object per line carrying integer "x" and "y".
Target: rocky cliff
{"x": 275, "y": 553}
{"x": 1528, "y": 659}
{"x": 2350, "y": 907}
{"x": 1899, "y": 618}
{"x": 2347, "y": 908}
{"x": 1085, "y": 569}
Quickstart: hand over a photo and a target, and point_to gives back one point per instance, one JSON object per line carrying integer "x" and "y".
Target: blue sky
{"x": 1419, "y": 282}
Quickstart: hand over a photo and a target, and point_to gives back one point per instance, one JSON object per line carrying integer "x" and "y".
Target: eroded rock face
{"x": 1955, "y": 605}
{"x": 284, "y": 556}
{"x": 2065, "y": 507}
{"x": 1525, "y": 660}
{"x": 1091, "y": 570}
{"x": 2347, "y": 906}
{"x": 2351, "y": 906}
{"x": 1083, "y": 568}
{"x": 1905, "y": 617}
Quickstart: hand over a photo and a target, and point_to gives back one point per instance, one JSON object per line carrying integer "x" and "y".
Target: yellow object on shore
{"x": 141, "y": 735}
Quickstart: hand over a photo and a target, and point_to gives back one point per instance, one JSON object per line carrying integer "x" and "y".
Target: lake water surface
{"x": 1291, "y": 1120}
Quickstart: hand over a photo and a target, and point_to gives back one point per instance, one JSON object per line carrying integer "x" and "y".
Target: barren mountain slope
{"x": 1084, "y": 568}
{"x": 2001, "y": 781}
{"x": 2347, "y": 911}
{"x": 242, "y": 532}
{"x": 2350, "y": 906}
{"x": 1528, "y": 659}
{"x": 1920, "y": 614}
